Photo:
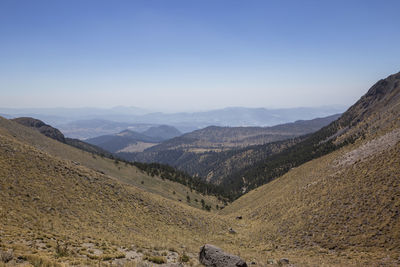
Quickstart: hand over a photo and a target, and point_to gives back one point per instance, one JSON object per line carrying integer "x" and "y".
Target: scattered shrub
{"x": 120, "y": 256}
{"x": 61, "y": 251}
{"x": 39, "y": 261}
{"x": 107, "y": 257}
{"x": 184, "y": 258}
{"x": 155, "y": 259}
{"x": 6, "y": 256}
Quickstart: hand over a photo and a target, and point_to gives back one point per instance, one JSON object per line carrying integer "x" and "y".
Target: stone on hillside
{"x": 213, "y": 256}
{"x": 231, "y": 231}
{"x": 284, "y": 261}
{"x": 270, "y": 261}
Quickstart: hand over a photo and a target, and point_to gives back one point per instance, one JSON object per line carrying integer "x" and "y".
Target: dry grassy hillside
{"x": 45, "y": 200}
{"x": 345, "y": 204}
{"x": 123, "y": 172}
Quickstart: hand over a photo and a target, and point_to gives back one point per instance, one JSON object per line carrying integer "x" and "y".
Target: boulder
{"x": 212, "y": 256}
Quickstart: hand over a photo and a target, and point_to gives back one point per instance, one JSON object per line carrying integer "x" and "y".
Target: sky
{"x": 171, "y": 55}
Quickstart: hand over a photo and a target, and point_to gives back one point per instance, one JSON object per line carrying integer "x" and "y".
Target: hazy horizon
{"x": 179, "y": 55}
{"x": 166, "y": 111}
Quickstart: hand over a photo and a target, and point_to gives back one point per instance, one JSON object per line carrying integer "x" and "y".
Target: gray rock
{"x": 231, "y": 231}
{"x": 284, "y": 261}
{"x": 270, "y": 261}
{"x": 212, "y": 256}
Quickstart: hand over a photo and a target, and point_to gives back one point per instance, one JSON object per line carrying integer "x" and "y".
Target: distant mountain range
{"x": 214, "y": 153}
{"x": 216, "y": 137}
{"x": 85, "y": 123}
{"x": 84, "y": 129}
{"x": 131, "y": 141}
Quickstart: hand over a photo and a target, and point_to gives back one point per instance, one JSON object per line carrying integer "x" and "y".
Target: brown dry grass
{"x": 47, "y": 198}
{"x": 122, "y": 172}
{"x": 333, "y": 210}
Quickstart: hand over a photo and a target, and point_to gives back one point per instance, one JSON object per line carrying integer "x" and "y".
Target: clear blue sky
{"x": 182, "y": 55}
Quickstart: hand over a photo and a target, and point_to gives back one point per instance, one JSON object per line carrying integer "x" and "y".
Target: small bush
{"x": 120, "y": 256}
{"x": 6, "y": 256}
{"x": 61, "y": 251}
{"x": 38, "y": 261}
{"x": 155, "y": 259}
{"x": 92, "y": 257}
{"x": 107, "y": 257}
{"x": 184, "y": 258}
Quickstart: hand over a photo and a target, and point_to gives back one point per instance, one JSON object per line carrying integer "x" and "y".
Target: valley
{"x": 199, "y": 133}
{"x": 322, "y": 196}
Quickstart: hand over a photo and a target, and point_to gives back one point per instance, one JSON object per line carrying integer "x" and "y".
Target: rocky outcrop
{"x": 212, "y": 256}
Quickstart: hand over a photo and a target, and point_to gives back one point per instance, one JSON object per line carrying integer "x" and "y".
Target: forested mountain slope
{"x": 215, "y": 153}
